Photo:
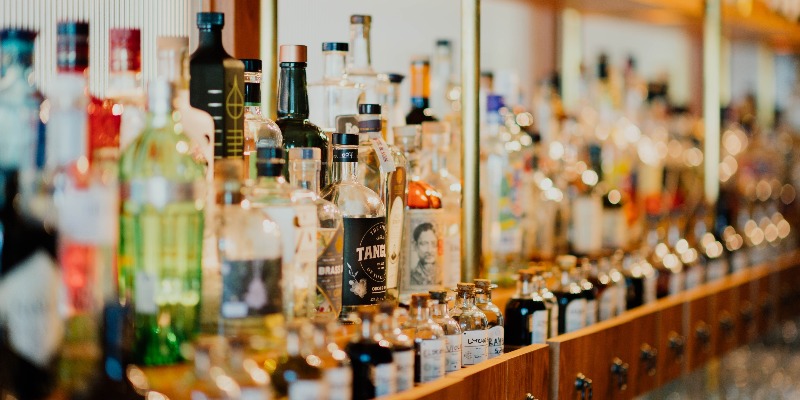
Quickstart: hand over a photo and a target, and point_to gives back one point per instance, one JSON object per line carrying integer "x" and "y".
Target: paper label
{"x": 340, "y": 382}
{"x": 452, "y": 356}
{"x": 717, "y": 269}
{"x": 404, "y": 363}
{"x": 474, "y": 347}
{"x": 608, "y": 303}
{"x": 538, "y": 326}
{"x": 330, "y": 267}
{"x": 89, "y": 216}
{"x": 576, "y": 315}
{"x": 432, "y": 359}
{"x": 251, "y": 288}
{"x": 587, "y": 231}
{"x": 384, "y": 379}
{"x": 496, "y": 338}
{"x": 614, "y": 228}
{"x": 393, "y": 241}
{"x": 306, "y": 390}
{"x": 422, "y": 260}
{"x": 650, "y": 284}
{"x": 383, "y": 152}
{"x": 622, "y": 297}
{"x": 364, "y": 261}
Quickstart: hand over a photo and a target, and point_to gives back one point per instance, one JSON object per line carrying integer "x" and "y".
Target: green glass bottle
{"x": 293, "y": 108}
{"x": 161, "y": 232}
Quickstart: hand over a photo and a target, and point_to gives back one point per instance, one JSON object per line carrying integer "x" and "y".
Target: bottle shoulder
{"x": 354, "y": 199}
{"x": 160, "y": 151}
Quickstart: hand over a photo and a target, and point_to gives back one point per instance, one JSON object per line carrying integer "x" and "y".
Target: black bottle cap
{"x": 335, "y": 46}
{"x": 19, "y": 34}
{"x": 360, "y": 19}
{"x": 72, "y": 28}
{"x": 210, "y": 19}
{"x": 345, "y": 139}
{"x": 369, "y": 108}
{"x": 396, "y": 78}
{"x": 251, "y": 64}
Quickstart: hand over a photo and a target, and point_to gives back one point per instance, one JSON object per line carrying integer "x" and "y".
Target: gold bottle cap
{"x": 294, "y": 53}
{"x": 420, "y": 299}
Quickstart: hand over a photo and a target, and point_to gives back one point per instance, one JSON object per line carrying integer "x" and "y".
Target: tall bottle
{"x": 371, "y": 359}
{"x": 589, "y": 290}
{"x": 451, "y": 329}
{"x": 527, "y": 317}
{"x": 336, "y": 94}
{"x": 421, "y": 263}
{"x": 483, "y": 300}
{"x": 220, "y": 91}
{"x": 429, "y": 340}
{"x": 335, "y": 363}
{"x": 392, "y": 110}
{"x": 30, "y": 325}
{"x": 383, "y": 168}
{"x": 420, "y": 92}
{"x": 259, "y": 131}
{"x": 571, "y": 298}
{"x": 443, "y": 87}
{"x": 295, "y": 377}
{"x": 304, "y": 166}
{"x": 364, "y": 246}
{"x": 124, "y": 103}
{"x": 359, "y": 59}
{"x": 474, "y": 326}
{"x": 162, "y": 234}
{"x": 295, "y": 212}
{"x": 293, "y": 121}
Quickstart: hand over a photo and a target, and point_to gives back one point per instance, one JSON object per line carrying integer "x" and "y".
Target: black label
{"x": 345, "y": 155}
{"x": 251, "y": 288}
{"x": 364, "y": 253}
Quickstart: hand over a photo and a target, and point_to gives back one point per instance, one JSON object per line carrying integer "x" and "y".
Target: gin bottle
{"x": 295, "y": 377}
{"x": 259, "y": 131}
{"x": 364, "y": 252}
{"x": 335, "y": 94}
{"x": 359, "y": 59}
{"x": 402, "y": 344}
{"x": 451, "y": 329}
{"x": 527, "y": 316}
{"x": 474, "y": 326}
{"x": 429, "y": 340}
{"x": 371, "y": 359}
{"x": 483, "y": 300}
{"x": 420, "y": 92}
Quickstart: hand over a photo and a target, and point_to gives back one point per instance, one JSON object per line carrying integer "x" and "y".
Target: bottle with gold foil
{"x": 420, "y": 92}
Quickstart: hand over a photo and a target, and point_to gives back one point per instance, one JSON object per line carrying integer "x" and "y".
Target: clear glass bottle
{"x": 162, "y": 233}
{"x": 570, "y": 296}
{"x": 420, "y": 92}
{"x": 359, "y": 59}
{"x": 589, "y": 291}
{"x": 383, "y": 168}
{"x": 421, "y": 263}
{"x": 483, "y": 300}
{"x": 527, "y": 316}
{"x": 429, "y": 340}
{"x": 335, "y": 94}
{"x": 363, "y": 215}
{"x": 304, "y": 165}
{"x": 209, "y": 381}
{"x": 402, "y": 344}
{"x": 259, "y": 131}
{"x": 295, "y": 212}
{"x": 218, "y": 86}
{"x": 335, "y": 364}
{"x": 295, "y": 377}
{"x": 253, "y": 381}
{"x": 442, "y": 82}
{"x": 392, "y": 111}
{"x": 125, "y": 98}
{"x": 371, "y": 359}
{"x": 474, "y": 326}
{"x": 250, "y": 255}
{"x": 451, "y": 329}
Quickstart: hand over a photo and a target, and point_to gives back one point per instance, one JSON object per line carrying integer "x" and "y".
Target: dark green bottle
{"x": 293, "y": 107}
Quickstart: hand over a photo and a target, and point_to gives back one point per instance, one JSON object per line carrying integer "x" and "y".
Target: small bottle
{"x": 402, "y": 345}
{"x": 336, "y": 94}
{"x": 589, "y": 291}
{"x": 336, "y": 369}
{"x": 420, "y": 92}
{"x": 474, "y": 326}
{"x": 527, "y": 317}
{"x": 483, "y": 300}
{"x": 451, "y": 329}
{"x": 259, "y": 131}
{"x": 209, "y": 381}
{"x": 295, "y": 377}
{"x": 371, "y": 358}
{"x": 363, "y": 213}
{"x": 570, "y": 295}
{"x": 429, "y": 340}
{"x": 359, "y": 59}
{"x": 253, "y": 381}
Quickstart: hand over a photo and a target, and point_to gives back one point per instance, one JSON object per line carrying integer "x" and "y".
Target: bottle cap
{"x": 483, "y": 284}
{"x": 443, "y": 42}
{"x": 487, "y": 74}
{"x": 386, "y": 307}
{"x": 345, "y": 139}
{"x": 406, "y": 131}
{"x": 335, "y": 46}
{"x": 396, "y": 78}
{"x": 438, "y": 295}
{"x": 420, "y": 60}
{"x": 210, "y": 19}
{"x": 251, "y": 64}
{"x": 525, "y": 275}
{"x": 366, "y": 314}
{"x": 369, "y": 109}
{"x": 361, "y": 19}
{"x": 465, "y": 287}
{"x": 494, "y": 102}
{"x": 293, "y": 53}
{"x": 18, "y": 34}
{"x": 305, "y": 153}
{"x": 420, "y": 299}
{"x": 72, "y": 46}
{"x": 237, "y": 342}
{"x": 72, "y": 28}
{"x": 125, "y": 49}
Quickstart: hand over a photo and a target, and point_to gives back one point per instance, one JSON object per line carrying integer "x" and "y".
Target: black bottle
{"x": 526, "y": 316}
{"x": 572, "y": 301}
{"x": 371, "y": 360}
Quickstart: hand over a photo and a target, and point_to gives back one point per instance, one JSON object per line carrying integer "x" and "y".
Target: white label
{"x": 608, "y": 303}
{"x": 694, "y": 277}
{"x": 145, "y": 288}
{"x": 382, "y": 151}
{"x": 474, "y": 347}
{"x": 677, "y": 281}
{"x": 340, "y": 382}
{"x": 591, "y": 312}
{"x": 717, "y": 269}
{"x": 576, "y": 315}
{"x": 554, "y": 313}
{"x": 393, "y": 241}
{"x": 587, "y": 233}
{"x": 537, "y": 324}
{"x": 452, "y": 356}
{"x": 739, "y": 261}
{"x": 90, "y": 215}
{"x": 496, "y": 339}
{"x": 431, "y": 356}
{"x": 306, "y": 390}
{"x": 383, "y": 378}
{"x": 404, "y": 362}
{"x": 255, "y": 394}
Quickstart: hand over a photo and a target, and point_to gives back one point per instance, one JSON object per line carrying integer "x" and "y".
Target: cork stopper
{"x": 483, "y": 284}
{"x": 420, "y": 299}
{"x": 465, "y": 287}
{"x": 293, "y": 53}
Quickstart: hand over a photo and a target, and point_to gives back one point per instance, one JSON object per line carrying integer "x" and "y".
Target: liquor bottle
{"x": 161, "y": 234}
{"x": 436, "y": 149}
{"x": 382, "y": 168}
{"x": 421, "y": 264}
{"x": 589, "y": 291}
{"x": 363, "y": 250}
{"x": 451, "y": 329}
{"x": 527, "y": 317}
{"x": 335, "y": 94}
{"x": 359, "y": 59}
{"x": 570, "y": 295}
{"x": 304, "y": 166}
{"x": 671, "y": 278}
{"x": 483, "y": 300}
{"x": 259, "y": 131}
{"x": 124, "y": 103}
{"x": 250, "y": 254}
{"x": 392, "y": 112}
{"x": 31, "y": 328}
{"x": 402, "y": 344}
{"x": 209, "y": 382}
{"x": 429, "y": 340}
{"x": 335, "y": 364}
{"x": 606, "y": 289}
{"x": 443, "y": 87}
{"x": 293, "y": 121}
{"x": 474, "y": 326}
{"x": 254, "y": 382}
{"x": 420, "y": 92}
{"x": 295, "y": 212}
{"x": 549, "y": 297}
{"x": 295, "y": 377}
{"x": 220, "y": 91}
{"x": 372, "y": 361}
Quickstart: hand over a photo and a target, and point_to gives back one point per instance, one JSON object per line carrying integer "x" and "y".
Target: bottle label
{"x": 615, "y": 233}
{"x": 145, "y": 292}
{"x": 432, "y": 359}
{"x": 694, "y": 277}
{"x": 608, "y": 303}
{"x": 404, "y": 364}
{"x": 452, "y": 356}
{"x": 677, "y": 281}
{"x": 340, "y": 382}
{"x": 384, "y": 379}
{"x": 330, "y": 267}
{"x": 345, "y": 155}
{"x": 364, "y": 261}
{"x": 251, "y": 287}
{"x": 717, "y": 269}
{"x": 474, "y": 347}
{"x": 255, "y": 394}
{"x": 538, "y": 325}
{"x": 451, "y": 223}
{"x": 159, "y": 191}
{"x": 554, "y": 313}
{"x": 622, "y": 297}
{"x": 496, "y": 338}
{"x": 576, "y": 315}
{"x": 373, "y": 129}
{"x": 591, "y": 312}
{"x": 393, "y": 241}
{"x": 306, "y": 390}
{"x": 422, "y": 261}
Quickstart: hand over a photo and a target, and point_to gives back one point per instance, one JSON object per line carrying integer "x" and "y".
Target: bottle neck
{"x": 366, "y": 329}
{"x": 252, "y": 92}
{"x": 524, "y": 288}
{"x": 292, "y": 91}
{"x": 16, "y": 54}
{"x": 305, "y": 174}
{"x": 483, "y": 298}
{"x": 440, "y": 310}
{"x": 236, "y": 359}
{"x": 173, "y": 65}
{"x": 360, "y": 48}
{"x": 210, "y": 38}
{"x": 202, "y": 364}
{"x": 438, "y": 152}
{"x": 268, "y": 178}
{"x": 408, "y": 145}
{"x": 335, "y": 64}
{"x": 345, "y": 159}
{"x": 420, "y": 313}
{"x": 465, "y": 300}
